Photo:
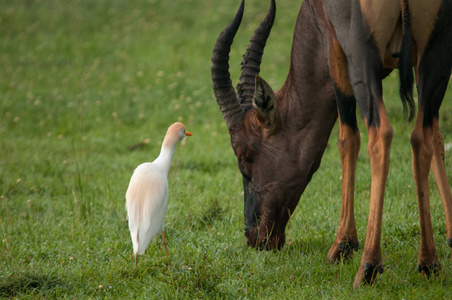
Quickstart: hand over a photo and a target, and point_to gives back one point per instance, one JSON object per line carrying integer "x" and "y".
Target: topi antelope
{"x": 342, "y": 49}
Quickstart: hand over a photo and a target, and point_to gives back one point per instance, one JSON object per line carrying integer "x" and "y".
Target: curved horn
{"x": 253, "y": 57}
{"x": 221, "y": 78}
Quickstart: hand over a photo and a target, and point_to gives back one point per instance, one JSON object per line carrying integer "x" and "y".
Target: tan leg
{"x": 164, "y": 245}
{"x": 378, "y": 148}
{"x": 348, "y": 143}
{"x": 421, "y": 139}
{"x": 136, "y": 259}
{"x": 439, "y": 170}
{"x": 346, "y": 238}
{"x": 433, "y": 71}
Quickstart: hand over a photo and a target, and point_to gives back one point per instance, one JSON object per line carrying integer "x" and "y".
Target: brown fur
{"x": 360, "y": 39}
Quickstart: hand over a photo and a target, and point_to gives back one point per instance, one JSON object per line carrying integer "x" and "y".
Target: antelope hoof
{"x": 449, "y": 242}
{"x": 367, "y": 274}
{"x": 342, "y": 251}
{"x": 428, "y": 270}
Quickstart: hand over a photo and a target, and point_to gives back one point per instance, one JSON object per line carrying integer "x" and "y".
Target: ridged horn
{"x": 221, "y": 78}
{"x": 253, "y": 57}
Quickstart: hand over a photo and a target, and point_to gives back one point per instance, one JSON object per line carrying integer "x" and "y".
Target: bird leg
{"x": 136, "y": 259}
{"x": 164, "y": 245}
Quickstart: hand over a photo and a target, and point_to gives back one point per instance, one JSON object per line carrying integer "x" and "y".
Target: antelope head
{"x": 267, "y": 131}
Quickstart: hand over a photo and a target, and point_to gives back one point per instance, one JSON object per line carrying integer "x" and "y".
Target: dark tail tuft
{"x": 406, "y": 65}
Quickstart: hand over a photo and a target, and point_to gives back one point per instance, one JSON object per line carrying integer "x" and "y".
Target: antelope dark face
{"x": 270, "y": 165}
{"x": 277, "y": 143}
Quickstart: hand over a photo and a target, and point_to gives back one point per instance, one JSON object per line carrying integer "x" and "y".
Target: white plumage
{"x": 147, "y": 194}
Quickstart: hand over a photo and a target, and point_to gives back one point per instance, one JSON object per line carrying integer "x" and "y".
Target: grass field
{"x": 81, "y": 81}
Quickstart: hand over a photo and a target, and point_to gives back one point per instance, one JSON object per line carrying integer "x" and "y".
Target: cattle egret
{"x": 147, "y": 194}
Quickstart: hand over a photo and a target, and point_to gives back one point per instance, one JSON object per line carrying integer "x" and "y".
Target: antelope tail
{"x": 406, "y": 64}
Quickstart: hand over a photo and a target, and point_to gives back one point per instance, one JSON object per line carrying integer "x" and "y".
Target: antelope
{"x": 341, "y": 51}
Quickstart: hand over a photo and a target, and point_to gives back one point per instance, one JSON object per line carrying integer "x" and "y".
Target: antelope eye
{"x": 245, "y": 166}
{"x": 245, "y": 172}
{"x": 245, "y": 157}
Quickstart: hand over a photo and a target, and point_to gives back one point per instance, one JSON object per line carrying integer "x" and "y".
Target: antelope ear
{"x": 264, "y": 103}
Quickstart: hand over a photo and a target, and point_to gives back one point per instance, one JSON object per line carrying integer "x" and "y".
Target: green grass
{"x": 81, "y": 81}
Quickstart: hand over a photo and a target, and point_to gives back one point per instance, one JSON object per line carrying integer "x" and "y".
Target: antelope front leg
{"x": 380, "y": 138}
{"x": 422, "y": 152}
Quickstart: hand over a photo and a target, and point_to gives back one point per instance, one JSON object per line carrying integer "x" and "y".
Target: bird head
{"x": 176, "y": 133}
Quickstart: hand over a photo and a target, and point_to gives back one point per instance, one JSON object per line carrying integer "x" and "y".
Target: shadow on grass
{"x": 26, "y": 283}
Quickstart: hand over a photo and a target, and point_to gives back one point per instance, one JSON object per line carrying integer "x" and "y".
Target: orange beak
{"x": 188, "y": 133}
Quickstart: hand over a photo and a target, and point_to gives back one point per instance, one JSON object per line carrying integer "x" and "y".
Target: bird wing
{"x": 147, "y": 202}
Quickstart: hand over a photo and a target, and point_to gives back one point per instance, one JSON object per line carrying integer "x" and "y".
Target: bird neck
{"x": 165, "y": 158}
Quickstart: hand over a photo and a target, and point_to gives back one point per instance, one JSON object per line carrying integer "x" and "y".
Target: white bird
{"x": 147, "y": 194}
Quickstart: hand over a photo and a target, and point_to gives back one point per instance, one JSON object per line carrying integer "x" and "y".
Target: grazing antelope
{"x": 342, "y": 49}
